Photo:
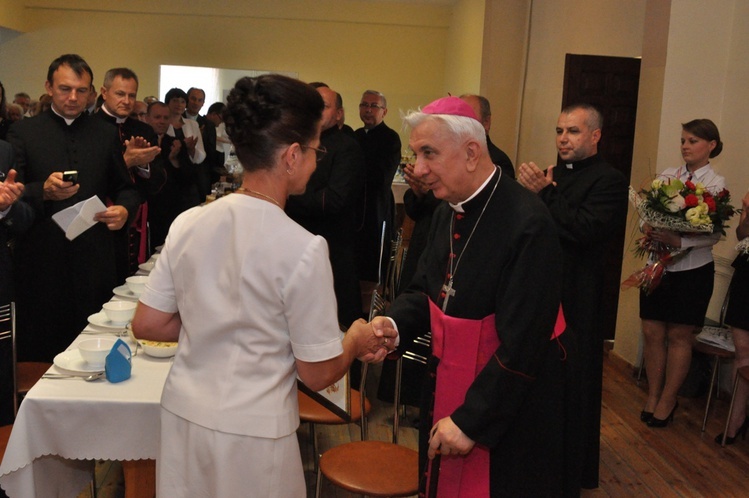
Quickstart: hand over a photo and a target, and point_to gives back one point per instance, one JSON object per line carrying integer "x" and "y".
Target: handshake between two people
{"x": 373, "y": 341}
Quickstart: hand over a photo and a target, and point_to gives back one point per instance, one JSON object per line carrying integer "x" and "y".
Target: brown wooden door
{"x": 610, "y": 84}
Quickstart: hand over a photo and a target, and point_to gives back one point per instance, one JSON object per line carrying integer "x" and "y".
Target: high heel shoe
{"x": 730, "y": 440}
{"x": 660, "y": 423}
{"x": 646, "y": 416}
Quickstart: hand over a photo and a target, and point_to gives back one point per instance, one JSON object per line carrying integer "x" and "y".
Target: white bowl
{"x": 95, "y": 351}
{"x": 120, "y": 312}
{"x": 137, "y": 283}
{"x": 158, "y": 349}
{"x": 147, "y": 266}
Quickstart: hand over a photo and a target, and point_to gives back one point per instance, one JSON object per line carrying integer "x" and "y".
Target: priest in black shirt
{"x": 145, "y": 166}
{"x": 488, "y": 287}
{"x": 587, "y": 198}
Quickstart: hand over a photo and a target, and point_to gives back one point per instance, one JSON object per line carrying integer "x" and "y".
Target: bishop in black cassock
{"x": 488, "y": 287}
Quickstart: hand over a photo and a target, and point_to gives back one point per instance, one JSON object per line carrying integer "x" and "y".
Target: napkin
{"x": 118, "y": 365}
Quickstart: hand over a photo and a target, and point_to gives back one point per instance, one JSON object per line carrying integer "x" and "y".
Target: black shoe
{"x": 646, "y": 416}
{"x": 730, "y": 440}
{"x": 658, "y": 423}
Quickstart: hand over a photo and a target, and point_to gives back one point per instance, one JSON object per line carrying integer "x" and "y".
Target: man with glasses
{"x": 382, "y": 152}
{"x": 61, "y": 282}
{"x": 327, "y": 207}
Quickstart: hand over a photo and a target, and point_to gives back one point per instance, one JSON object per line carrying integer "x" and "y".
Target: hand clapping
{"x": 10, "y": 190}
{"x": 531, "y": 177}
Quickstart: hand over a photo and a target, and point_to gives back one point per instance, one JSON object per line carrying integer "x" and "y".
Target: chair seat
{"x": 372, "y": 468}
{"x": 4, "y": 437}
{"x": 712, "y": 350}
{"x": 312, "y": 411}
{"x": 29, "y": 373}
{"x": 744, "y": 372}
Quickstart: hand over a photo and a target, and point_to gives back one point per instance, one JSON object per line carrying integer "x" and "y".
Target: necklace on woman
{"x": 248, "y": 191}
{"x": 448, "y": 288}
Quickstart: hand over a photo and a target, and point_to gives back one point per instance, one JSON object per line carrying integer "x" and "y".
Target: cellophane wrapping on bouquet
{"x": 684, "y": 207}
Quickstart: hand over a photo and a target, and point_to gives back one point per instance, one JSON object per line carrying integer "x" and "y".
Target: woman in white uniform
{"x": 249, "y": 295}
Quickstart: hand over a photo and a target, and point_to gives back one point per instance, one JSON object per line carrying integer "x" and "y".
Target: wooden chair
{"x": 372, "y": 468}
{"x": 717, "y": 353}
{"x": 741, "y": 372}
{"x": 312, "y": 412}
{"x": 26, "y": 373}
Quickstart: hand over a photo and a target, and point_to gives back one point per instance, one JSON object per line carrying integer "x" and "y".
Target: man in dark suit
{"x": 213, "y": 160}
{"x": 15, "y": 217}
{"x": 180, "y": 192}
{"x": 60, "y": 282}
{"x": 382, "y": 153}
{"x": 141, "y": 154}
{"x": 483, "y": 110}
{"x": 327, "y": 206}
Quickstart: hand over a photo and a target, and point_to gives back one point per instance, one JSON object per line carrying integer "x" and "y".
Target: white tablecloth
{"x": 62, "y": 423}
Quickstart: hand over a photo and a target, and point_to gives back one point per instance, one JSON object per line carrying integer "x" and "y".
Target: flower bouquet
{"x": 678, "y": 206}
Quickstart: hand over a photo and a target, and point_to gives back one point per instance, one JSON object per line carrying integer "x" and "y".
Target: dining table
{"x": 64, "y": 425}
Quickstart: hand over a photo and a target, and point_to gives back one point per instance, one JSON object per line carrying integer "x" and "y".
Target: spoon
{"x": 87, "y": 378}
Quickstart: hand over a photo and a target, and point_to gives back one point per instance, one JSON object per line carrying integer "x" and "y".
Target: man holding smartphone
{"x": 60, "y": 282}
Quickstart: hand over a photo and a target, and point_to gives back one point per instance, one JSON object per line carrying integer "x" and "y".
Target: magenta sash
{"x": 464, "y": 347}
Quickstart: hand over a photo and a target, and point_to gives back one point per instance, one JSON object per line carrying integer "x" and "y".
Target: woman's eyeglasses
{"x": 319, "y": 153}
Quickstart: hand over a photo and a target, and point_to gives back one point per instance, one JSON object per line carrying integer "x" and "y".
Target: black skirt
{"x": 682, "y": 297}
{"x": 737, "y": 313}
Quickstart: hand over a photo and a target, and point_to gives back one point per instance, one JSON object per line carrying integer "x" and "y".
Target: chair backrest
{"x": 8, "y": 340}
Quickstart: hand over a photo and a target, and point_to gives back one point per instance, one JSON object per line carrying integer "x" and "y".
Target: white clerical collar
{"x": 68, "y": 121}
{"x": 190, "y": 116}
{"x": 459, "y": 206}
{"x": 117, "y": 119}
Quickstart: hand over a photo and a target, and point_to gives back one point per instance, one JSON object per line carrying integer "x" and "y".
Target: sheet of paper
{"x": 80, "y": 217}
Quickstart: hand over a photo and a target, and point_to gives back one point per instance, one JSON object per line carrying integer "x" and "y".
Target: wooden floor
{"x": 678, "y": 461}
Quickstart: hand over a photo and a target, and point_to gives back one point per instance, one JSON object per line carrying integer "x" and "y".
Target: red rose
{"x": 710, "y": 204}
{"x": 691, "y": 200}
{"x": 690, "y": 186}
{"x": 723, "y": 193}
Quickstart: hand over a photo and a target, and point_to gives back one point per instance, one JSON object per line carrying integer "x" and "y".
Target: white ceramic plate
{"x": 123, "y": 291}
{"x": 158, "y": 351}
{"x": 147, "y": 266}
{"x": 100, "y": 319}
{"x": 72, "y": 361}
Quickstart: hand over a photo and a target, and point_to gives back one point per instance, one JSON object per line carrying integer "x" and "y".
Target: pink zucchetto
{"x": 453, "y": 106}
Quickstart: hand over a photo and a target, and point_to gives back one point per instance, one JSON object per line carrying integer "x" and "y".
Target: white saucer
{"x": 72, "y": 361}
{"x": 124, "y": 292}
{"x": 147, "y": 266}
{"x": 100, "y": 320}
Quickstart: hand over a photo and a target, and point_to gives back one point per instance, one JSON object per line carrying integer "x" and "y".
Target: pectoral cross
{"x": 449, "y": 292}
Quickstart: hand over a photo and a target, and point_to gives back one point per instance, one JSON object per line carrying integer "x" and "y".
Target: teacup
{"x": 120, "y": 312}
{"x": 136, "y": 283}
{"x": 95, "y": 351}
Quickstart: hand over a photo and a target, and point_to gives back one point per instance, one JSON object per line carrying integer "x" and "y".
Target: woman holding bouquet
{"x": 737, "y": 317}
{"x": 676, "y": 308}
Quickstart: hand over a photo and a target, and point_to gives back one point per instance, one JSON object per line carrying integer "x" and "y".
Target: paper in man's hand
{"x": 80, "y": 217}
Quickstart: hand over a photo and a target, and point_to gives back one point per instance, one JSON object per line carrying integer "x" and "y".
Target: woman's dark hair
{"x": 175, "y": 93}
{"x": 268, "y": 112}
{"x": 706, "y": 130}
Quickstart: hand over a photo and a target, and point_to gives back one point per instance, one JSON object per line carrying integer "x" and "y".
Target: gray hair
{"x": 378, "y": 94}
{"x": 460, "y": 127}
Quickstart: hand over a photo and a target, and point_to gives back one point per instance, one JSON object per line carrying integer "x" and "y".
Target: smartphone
{"x": 70, "y": 176}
